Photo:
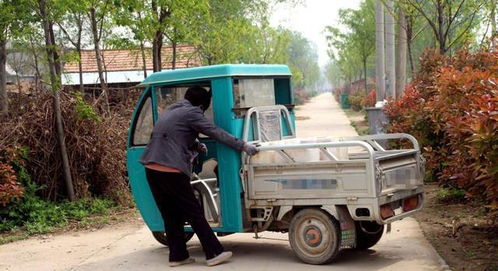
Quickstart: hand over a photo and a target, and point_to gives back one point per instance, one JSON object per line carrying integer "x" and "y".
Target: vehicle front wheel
{"x": 314, "y": 236}
{"x": 162, "y": 238}
{"x": 368, "y": 233}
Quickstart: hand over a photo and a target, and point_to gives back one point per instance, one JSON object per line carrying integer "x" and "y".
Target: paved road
{"x": 130, "y": 246}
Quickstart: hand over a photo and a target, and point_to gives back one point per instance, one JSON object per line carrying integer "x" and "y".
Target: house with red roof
{"x": 125, "y": 68}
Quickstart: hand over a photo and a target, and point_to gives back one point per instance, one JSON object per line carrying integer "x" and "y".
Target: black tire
{"x": 314, "y": 236}
{"x": 368, "y": 233}
{"x": 161, "y": 237}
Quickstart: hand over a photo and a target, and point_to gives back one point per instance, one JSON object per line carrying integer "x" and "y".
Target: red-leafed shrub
{"x": 10, "y": 188}
{"x": 452, "y": 108}
{"x": 360, "y": 100}
{"x": 355, "y": 101}
{"x": 369, "y": 100}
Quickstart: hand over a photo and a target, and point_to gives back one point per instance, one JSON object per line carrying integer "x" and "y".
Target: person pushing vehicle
{"x": 168, "y": 164}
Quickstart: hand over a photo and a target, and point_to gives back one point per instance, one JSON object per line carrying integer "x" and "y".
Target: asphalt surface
{"x": 130, "y": 246}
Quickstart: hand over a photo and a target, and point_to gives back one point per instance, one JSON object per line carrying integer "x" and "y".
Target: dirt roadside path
{"x": 130, "y": 246}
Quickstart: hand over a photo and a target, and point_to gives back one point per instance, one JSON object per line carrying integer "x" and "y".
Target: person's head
{"x": 198, "y": 96}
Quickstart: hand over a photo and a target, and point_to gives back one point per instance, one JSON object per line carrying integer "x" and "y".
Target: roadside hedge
{"x": 95, "y": 143}
{"x": 451, "y": 107}
{"x": 360, "y": 100}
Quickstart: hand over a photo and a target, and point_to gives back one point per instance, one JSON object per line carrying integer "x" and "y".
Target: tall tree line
{"x": 231, "y": 31}
{"x": 445, "y": 25}
{"x": 56, "y": 31}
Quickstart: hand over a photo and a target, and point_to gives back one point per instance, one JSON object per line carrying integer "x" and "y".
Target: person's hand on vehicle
{"x": 250, "y": 149}
{"x": 202, "y": 148}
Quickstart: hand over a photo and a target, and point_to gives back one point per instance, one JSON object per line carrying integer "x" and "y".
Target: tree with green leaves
{"x": 72, "y": 25}
{"x": 98, "y": 13}
{"x": 303, "y": 62}
{"x": 132, "y": 14}
{"x": 357, "y": 44}
{"x": 452, "y": 21}
{"x": 29, "y": 44}
{"x": 220, "y": 33}
{"x": 13, "y": 16}
{"x": 157, "y": 21}
{"x": 47, "y": 12}
{"x": 266, "y": 45}
{"x": 180, "y": 22}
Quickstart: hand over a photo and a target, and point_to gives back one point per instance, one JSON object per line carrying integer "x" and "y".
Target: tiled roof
{"x": 131, "y": 60}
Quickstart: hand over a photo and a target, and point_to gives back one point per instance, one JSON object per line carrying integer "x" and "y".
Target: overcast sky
{"x": 310, "y": 18}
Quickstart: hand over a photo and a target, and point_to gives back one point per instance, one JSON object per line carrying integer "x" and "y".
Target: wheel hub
{"x": 312, "y": 236}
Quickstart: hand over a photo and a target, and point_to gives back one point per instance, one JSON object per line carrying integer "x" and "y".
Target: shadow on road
{"x": 249, "y": 254}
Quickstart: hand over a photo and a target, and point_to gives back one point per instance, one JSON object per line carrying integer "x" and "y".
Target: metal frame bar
{"x": 412, "y": 139}
{"x": 256, "y": 110}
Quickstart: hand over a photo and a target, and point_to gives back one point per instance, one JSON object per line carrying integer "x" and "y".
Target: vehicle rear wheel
{"x": 314, "y": 236}
{"x": 162, "y": 238}
{"x": 368, "y": 233}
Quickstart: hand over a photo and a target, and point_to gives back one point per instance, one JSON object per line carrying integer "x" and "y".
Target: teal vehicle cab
{"x": 327, "y": 193}
{"x": 235, "y": 89}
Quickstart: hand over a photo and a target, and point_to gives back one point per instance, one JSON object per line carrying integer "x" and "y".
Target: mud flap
{"x": 346, "y": 222}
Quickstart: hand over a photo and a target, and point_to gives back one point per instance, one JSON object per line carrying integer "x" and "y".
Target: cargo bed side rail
{"x": 324, "y": 147}
{"x": 373, "y": 140}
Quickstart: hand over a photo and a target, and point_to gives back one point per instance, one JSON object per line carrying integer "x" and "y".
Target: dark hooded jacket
{"x": 174, "y": 141}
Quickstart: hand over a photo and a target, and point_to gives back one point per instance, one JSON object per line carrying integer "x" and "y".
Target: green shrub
{"x": 355, "y": 101}
{"x": 370, "y": 99}
{"x": 451, "y": 195}
{"x": 35, "y": 215}
{"x": 84, "y": 110}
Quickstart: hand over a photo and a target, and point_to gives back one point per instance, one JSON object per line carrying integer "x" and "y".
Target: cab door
{"x": 141, "y": 126}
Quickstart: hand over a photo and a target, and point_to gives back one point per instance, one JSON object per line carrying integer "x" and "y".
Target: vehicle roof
{"x": 209, "y": 72}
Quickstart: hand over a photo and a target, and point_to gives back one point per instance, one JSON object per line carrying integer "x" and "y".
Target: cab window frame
{"x": 241, "y": 111}
{"x": 147, "y": 99}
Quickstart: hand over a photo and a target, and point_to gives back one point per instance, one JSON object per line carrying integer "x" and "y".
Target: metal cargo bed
{"x": 356, "y": 171}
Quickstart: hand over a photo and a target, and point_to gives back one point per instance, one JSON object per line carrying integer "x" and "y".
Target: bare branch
{"x": 469, "y": 25}
{"x": 452, "y": 18}
{"x": 67, "y": 34}
{"x": 415, "y": 5}
{"x": 420, "y": 31}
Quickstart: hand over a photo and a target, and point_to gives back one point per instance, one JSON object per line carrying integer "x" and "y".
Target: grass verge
{"x": 358, "y": 120}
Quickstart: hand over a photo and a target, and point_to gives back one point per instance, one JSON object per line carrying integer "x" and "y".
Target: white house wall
{"x": 111, "y": 77}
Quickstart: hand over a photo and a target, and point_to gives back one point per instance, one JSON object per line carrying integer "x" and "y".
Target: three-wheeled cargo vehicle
{"x": 327, "y": 193}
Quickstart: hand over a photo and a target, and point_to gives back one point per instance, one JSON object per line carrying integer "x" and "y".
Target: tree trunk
{"x": 441, "y": 38}
{"x": 80, "y": 70}
{"x": 492, "y": 18}
{"x": 379, "y": 49}
{"x": 390, "y": 52}
{"x": 33, "y": 47}
{"x": 365, "y": 73}
{"x": 18, "y": 80}
{"x": 144, "y": 62}
{"x": 57, "y": 60}
{"x": 409, "y": 39}
{"x": 96, "y": 44}
{"x": 401, "y": 52}
{"x": 98, "y": 57}
{"x": 78, "y": 48}
{"x": 55, "y": 84}
{"x": 157, "y": 45}
{"x": 4, "y": 101}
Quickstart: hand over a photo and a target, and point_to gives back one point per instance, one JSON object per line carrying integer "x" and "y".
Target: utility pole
{"x": 401, "y": 51}
{"x": 390, "y": 51}
{"x": 379, "y": 49}
{"x": 4, "y": 101}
